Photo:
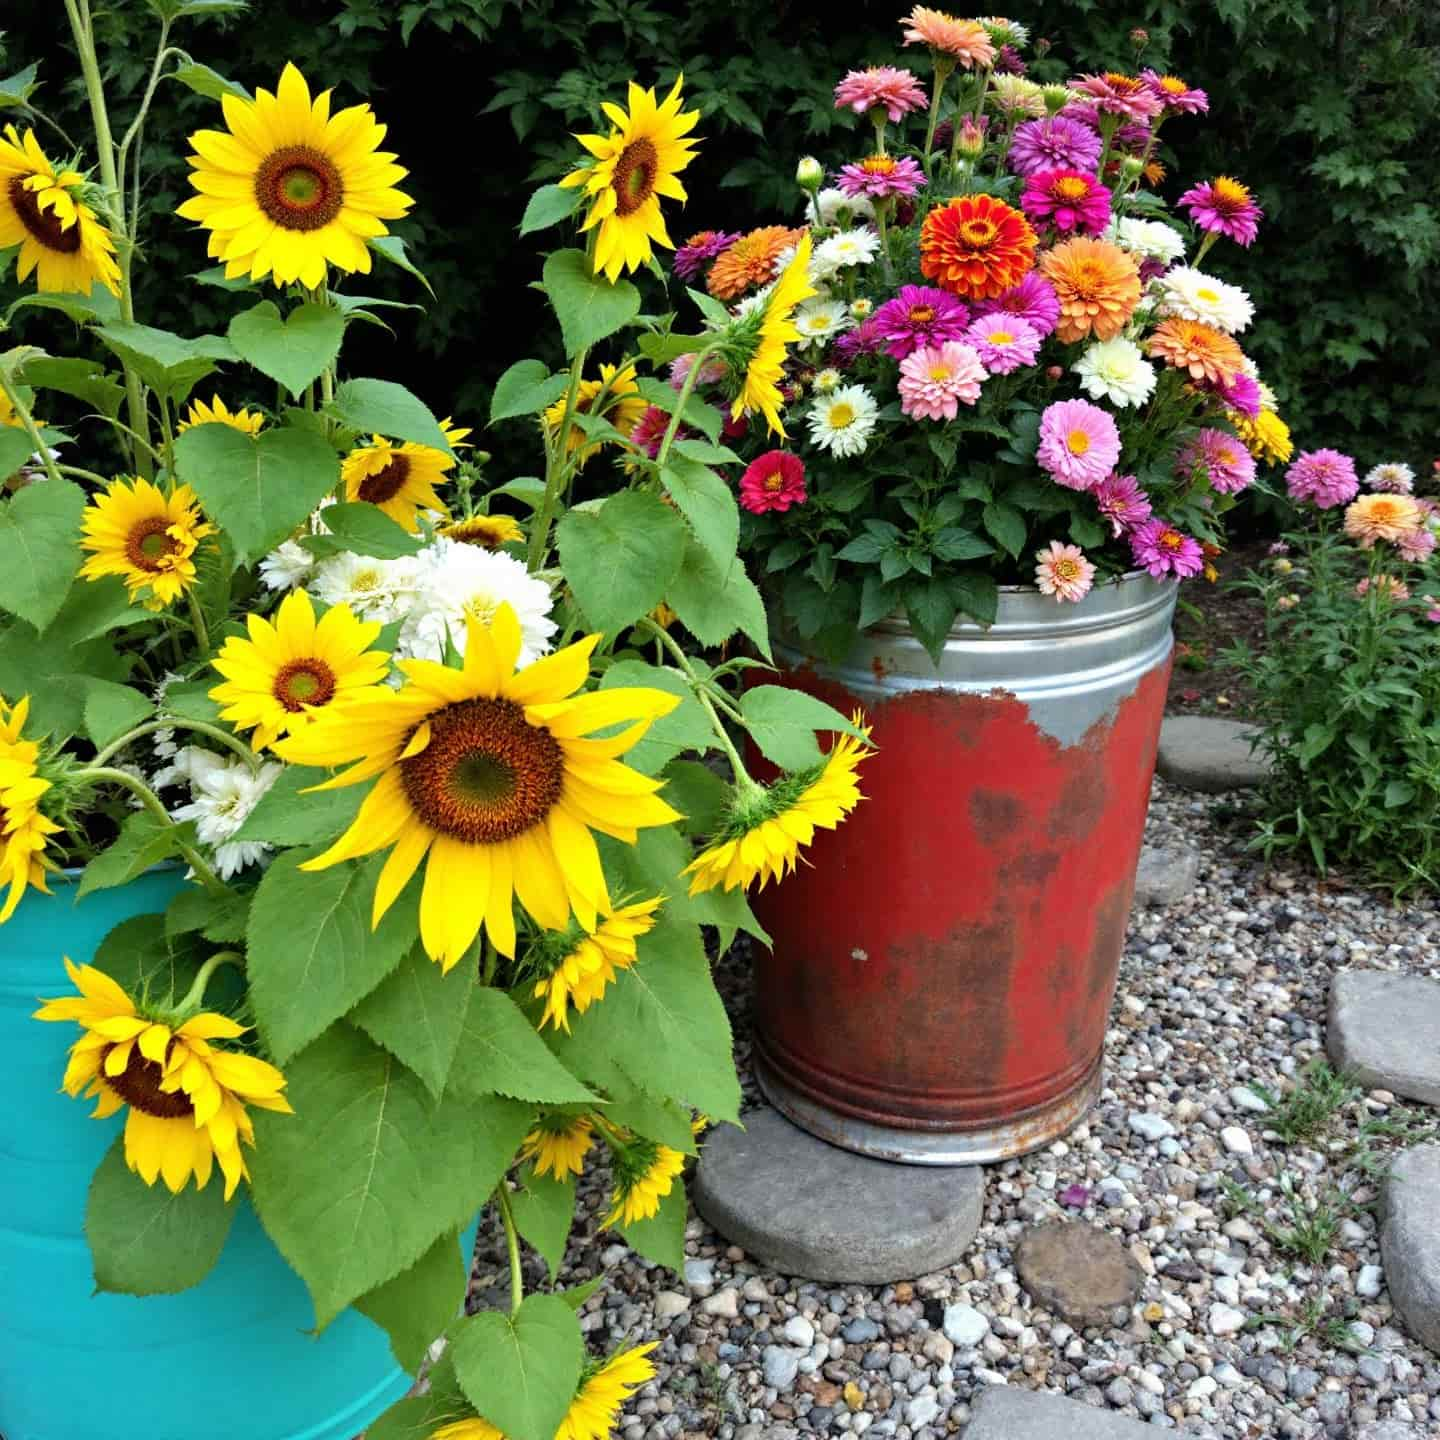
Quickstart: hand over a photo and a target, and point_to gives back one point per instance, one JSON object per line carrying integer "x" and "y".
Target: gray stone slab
{"x": 1385, "y": 1030}
{"x": 1410, "y": 1242}
{"x": 1202, "y": 753}
{"x": 1003, "y": 1412}
{"x": 809, "y": 1209}
{"x": 1166, "y": 874}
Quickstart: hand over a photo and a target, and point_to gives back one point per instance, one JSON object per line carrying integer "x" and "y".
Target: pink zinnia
{"x": 1122, "y": 502}
{"x": 936, "y": 379}
{"x": 1056, "y": 143}
{"x": 1003, "y": 342}
{"x": 1174, "y": 94}
{"x": 1241, "y": 392}
{"x": 1224, "y": 207}
{"x": 897, "y": 91}
{"x": 1163, "y": 550}
{"x": 1325, "y": 476}
{"x": 1116, "y": 94}
{"x": 692, "y": 257}
{"x": 680, "y": 368}
{"x": 775, "y": 481}
{"x": 1226, "y": 462}
{"x": 1064, "y": 572}
{"x": 1079, "y": 443}
{"x": 881, "y": 177}
{"x": 919, "y": 315}
{"x": 1033, "y": 300}
{"x": 1416, "y": 546}
{"x": 650, "y": 429}
{"x": 1068, "y": 200}
{"x": 1386, "y": 585}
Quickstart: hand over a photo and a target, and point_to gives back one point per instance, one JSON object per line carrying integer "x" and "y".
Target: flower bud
{"x": 1282, "y": 566}
{"x": 861, "y": 308}
{"x": 970, "y": 143}
{"x": 827, "y": 380}
{"x": 809, "y": 173}
{"x": 1042, "y": 47}
{"x": 1139, "y": 37}
{"x": 1287, "y": 602}
{"x": 1054, "y": 372}
{"x": 1056, "y": 97}
{"x": 1132, "y": 167}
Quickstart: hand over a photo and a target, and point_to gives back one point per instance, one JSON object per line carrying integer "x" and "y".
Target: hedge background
{"x": 1329, "y": 110}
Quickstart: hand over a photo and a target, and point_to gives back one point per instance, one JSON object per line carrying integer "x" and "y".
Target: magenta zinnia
{"x": 1174, "y": 94}
{"x": 1324, "y": 476}
{"x": 700, "y": 249}
{"x": 935, "y": 380}
{"x": 1033, "y": 300}
{"x": 1115, "y": 94}
{"x": 881, "y": 177}
{"x": 774, "y": 481}
{"x": 1122, "y": 502}
{"x": 1163, "y": 550}
{"x": 1056, "y": 143}
{"x": 1224, "y": 207}
{"x": 1079, "y": 444}
{"x": 919, "y": 315}
{"x": 896, "y": 91}
{"x": 1224, "y": 461}
{"x": 1067, "y": 199}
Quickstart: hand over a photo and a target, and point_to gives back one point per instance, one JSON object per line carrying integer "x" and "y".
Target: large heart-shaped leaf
{"x": 293, "y": 349}
{"x": 588, "y": 306}
{"x": 38, "y": 552}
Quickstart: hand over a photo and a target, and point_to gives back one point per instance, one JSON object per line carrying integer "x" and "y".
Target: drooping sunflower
{"x": 622, "y": 405}
{"x": 634, "y": 166}
{"x": 23, "y": 829}
{"x": 976, "y": 247}
{"x": 42, "y": 212}
{"x": 291, "y": 188}
{"x": 644, "y": 1172}
{"x": 559, "y": 1144}
{"x": 489, "y": 532}
{"x": 488, "y": 771}
{"x": 187, "y": 1098}
{"x": 401, "y": 479}
{"x": 765, "y": 833}
{"x": 249, "y": 422}
{"x": 146, "y": 537}
{"x": 603, "y": 1390}
{"x": 291, "y": 670}
{"x": 581, "y": 975}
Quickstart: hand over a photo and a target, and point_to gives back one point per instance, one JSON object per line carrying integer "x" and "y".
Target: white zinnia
{"x": 223, "y": 793}
{"x": 849, "y": 247}
{"x": 1152, "y": 239}
{"x": 382, "y": 590}
{"x": 1193, "y": 295}
{"x": 458, "y": 580}
{"x": 1117, "y": 371}
{"x": 289, "y": 564}
{"x": 832, "y": 201}
{"x": 843, "y": 421}
{"x": 818, "y": 320}
{"x": 1391, "y": 477}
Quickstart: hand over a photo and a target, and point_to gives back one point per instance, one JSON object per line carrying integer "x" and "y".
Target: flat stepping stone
{"x": 1080, "y": 1272}
{"x": 1385, "y": 1030}
{"x": 1003, "y": 1412}
{"x": 1167, "y": 874}
{"x": 806, "y": 1208}
{"x": 1202, "y": 753}
{"x": 1410, "y": 1242}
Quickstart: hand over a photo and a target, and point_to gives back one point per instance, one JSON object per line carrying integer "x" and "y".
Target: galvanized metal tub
{"x": 942, "y": 973}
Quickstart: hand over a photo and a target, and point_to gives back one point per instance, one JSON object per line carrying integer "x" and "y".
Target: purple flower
{"x": 1033, "y": 300}
{"x": 701, "y": 248}
{"x": 864, "y": 339}
{"x": 1075, "y": 1197}
{"x": 1068, "y": 199}
{"x": 879, "y": 177}
{"x": 1054, "y": 143}
{"x": 919, "y": 315}
{"x": 1241, "y": 392}
{"x": 1122, "y": 502}
{"x": 1224, "y": 207}
{"x": 1008, "y": 61}
{"x": 1174, "y": 94}
{"x": 1325, "y": 476}
{"x": 1163, "y": 550}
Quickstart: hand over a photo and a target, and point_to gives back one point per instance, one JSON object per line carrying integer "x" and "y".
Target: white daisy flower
{"x": 818, "y": 320}
{"x": 849, "y": 247}
{"x": 382, "y": 590}
{"x": 288, "y": 565}
{"x": 458, "y": 580}
{"x": 832, "y": 201}
{"x": 843, "y": 421}
{"x": 1193, "y": 295}
{"x": 1117, "y": 371}
{"x": 1392, "y": 477}
{"x": 223, "y": 792}
{"x": 1152, "y": 239}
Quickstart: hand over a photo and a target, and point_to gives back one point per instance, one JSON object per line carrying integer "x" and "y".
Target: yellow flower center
{"x": 1066, "y": 568}
{"x": 1207, "y": 295}
{"x": 1228, "y": 456}
{"x": 1173, "y": 85}
{"x": 978, "y": 233}
{"x": 138, "y": 1085}
{"x": 774, "y": 482}
{"x": 921, "y": 314}
{"x": 150, "y": 544}
{"x": 299, "y": 188}
{"x": 1077, "y": 442}
{"x": 878, "y": 165}
{"x": 1171, "y": 539}
{"x": 308, "y": 681}
{"x": 1000, "y": 337}
{"x": 1229, "y": 195}
{"x": 634, "y": 176}
{"x": 387, "y": 482}
{"x": 1070, "y": 187}
{"x": 42, "y": 225}
{"x": 1123, "y": 84}
{"x": 842, "y": 415}
{"x": 487, "y": 774}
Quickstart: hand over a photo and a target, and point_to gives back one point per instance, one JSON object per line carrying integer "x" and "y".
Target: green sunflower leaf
{"x": 291, "y": 813}
{"x": 166, "y": 362}
{"x": 661, "y": 1238}
{"x": 293, "y": 349}
{"x": 686, "y": 728}
{"x": 500, "y": 1053}
{"x": 620, "y": 557}
{"x": 548, "y": 206}
{"x": 420, "y": 1303}
{"x": 715, "y": 601}
{"x": 526, "y": 388}
{"x": 587, "y": 306}
{"x": 418, "y": 1417}
{"x": 706, "y": 500}
{"x": 783, "y": 722}
{"x": 418, "y": 1014}
{"x": 544, "y": 1210}
{"x": 144, "y": 840}
{"x": 381, "y": 407}
{"x": 39, "y": 547}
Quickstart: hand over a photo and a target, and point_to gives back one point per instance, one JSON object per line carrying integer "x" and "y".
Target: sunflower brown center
{"x": 385, "y": 484}
{"x": 299, "y": 683}
{"x": 150, "y": 544}
{"x": 138, "y": 1085}
{"x": 43, "y": 225}
{"x": 634, "y": 176}
{"x": 978, "y": 233}
{"x": 487, "y": 774}
{"x": 299, "y": 188}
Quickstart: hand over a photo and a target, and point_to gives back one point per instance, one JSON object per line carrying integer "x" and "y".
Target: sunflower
{"x": 488, "y": 771}
{"x": 41, "y": 211}
{"x": 489, "y": 532}
{"x": 621, "y": 404}
{"x": 976, "y": 247}
{"x": 1098, "y": 286}
{"x": 146, "y": 537}
{"x": 645, "y": 1173}
{"x": 751, "y": 260}
{"x": 634, "y": 166}
{"x": 765, "y": 835}
{"x": 23, "y": 829}
{"x": 1201, "y": 350}
{"x": 1266, "y": 437}
{"x": 559, "y": 1144}
{"x": 10, "y": 416}
{"x": 588, "y": 967}
{"x": 291, "y": 187}
{"x": 249, "y": 422}
{"x": 400, "y": 479}
{"x": 289, "y": 671}
{"x": 187, "y": 1098}
{"x": 603, "y": 1390}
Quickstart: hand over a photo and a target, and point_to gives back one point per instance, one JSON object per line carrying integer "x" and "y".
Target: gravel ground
{"x": 1223, "y": 991}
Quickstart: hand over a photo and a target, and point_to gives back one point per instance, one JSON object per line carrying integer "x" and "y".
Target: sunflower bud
{"x": 809, "y": 173}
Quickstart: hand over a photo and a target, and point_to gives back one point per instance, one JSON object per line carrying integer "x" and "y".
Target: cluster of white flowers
{"x": 818, "y": 320}
{"x": 1116, "y": 370}
{"x": 223, "y": 789}
{"x": 1193, "y": 295}
{"x": 839, "y": 252}
{"x": 843, "y": 420}
{"x": 290, "y": 563}
{"x": 1150, "y": 239}
{"x": 833, "y": 201}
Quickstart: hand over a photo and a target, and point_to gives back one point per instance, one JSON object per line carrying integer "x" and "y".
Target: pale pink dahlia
{"x": 1325, "y": 476}
{"x": 1163, "y": 550}
{"x": 1003, "y": 342}
{"x": 1064, "y": 572}
{"x": 1122, "y": 502}
{"x": 1385, "y": 585}
{"x": 897, "y": 91}
{"x": 1116, "y": 94}
{"x": 936, "y": 379}
{"x": 1079, "y": 444}
{"x": 1416, "y": 546}
{"x": 1225, "y": 461}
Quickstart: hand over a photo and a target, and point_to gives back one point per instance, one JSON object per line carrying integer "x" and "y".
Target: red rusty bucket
{"x": 943, "y": 971}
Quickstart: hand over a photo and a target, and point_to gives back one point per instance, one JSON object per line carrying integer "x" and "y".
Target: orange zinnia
{"x": 1206, "y": 353}
{"x": 750, "y": 261}
{"x": 976, "y": 247}
{"x": 1098, "y": 286}
{"x": 967, "y": 40}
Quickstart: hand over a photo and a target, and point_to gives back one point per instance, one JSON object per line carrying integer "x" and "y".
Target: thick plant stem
{"x": 556, "y": 455}
{"x": 686, "y": 390}
{"x": 197, "y": 623}
{"x": 174, "y": 722}
{"x": 512, "y": 1246}
{"x": 195, "y": 996}
{"x": 27, "y": 421}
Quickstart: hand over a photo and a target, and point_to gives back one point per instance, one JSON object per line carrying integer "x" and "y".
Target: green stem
{"x": 942, "y": 77}
{"x": 556, "y": 460}
{"x": 137, "y": 128}
{"x": 27, "y": 420}
{"x": 82, "y": 474}
{"x": 103, "y": 775}
{"x": 176, "y": 722}
{"x": 197, "y": 622}
{"x": 686, "y": 390}
{"x": 167, "y": 434}
{"x": 512, "y": 1246}
{"x": 195, "y": 996}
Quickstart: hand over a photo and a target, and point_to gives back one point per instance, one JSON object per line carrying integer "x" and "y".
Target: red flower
{"x": 775, "y": 481}
{"x": 976, "y": 247}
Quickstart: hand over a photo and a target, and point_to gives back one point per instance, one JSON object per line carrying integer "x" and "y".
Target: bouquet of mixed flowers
{"x": 1012, "y": 363}
{"x": 429, "y": 746}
